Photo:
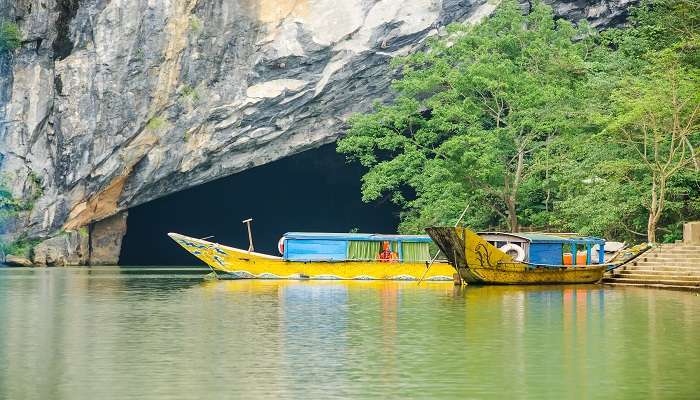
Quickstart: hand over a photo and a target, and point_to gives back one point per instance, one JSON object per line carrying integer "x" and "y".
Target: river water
{"x": 128, "y": 333}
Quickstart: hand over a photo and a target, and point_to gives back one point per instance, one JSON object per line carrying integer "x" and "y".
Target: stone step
{"x": 667, "y": 245}
{"x": 650, "y": 277}
{"x": 666, "y": 261}
{"x": 668, "y": 257}
{"x": 680, "y": 263}
{"x": 653, "y": 272}
{"x": 652, "y": 285}
{"x": 658, "y": 282}
{"x": 691, "y": 260}
{"x": 690, "y": 254}
{"x": 657, "y": 272}
{"x": 661, "y": 268}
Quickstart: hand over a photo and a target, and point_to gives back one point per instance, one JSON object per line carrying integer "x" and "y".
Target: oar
{"x": 427, "y": 268}
{"x": 438, "y": 252}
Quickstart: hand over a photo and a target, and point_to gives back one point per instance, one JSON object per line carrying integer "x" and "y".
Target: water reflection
{"x": 116, "y": 333}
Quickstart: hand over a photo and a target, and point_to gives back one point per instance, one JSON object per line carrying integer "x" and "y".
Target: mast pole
{"x": 250, "y": 234}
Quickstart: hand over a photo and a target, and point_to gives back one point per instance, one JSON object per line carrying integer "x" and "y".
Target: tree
{"x": 471, "y": 115}
{"x": 656, "y": 116}
{"x": 636, "y": 175}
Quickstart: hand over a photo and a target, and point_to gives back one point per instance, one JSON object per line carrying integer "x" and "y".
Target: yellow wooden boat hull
{"x": 536, "y": 276}
{"x": 479, "y": 262}
{"x": 236, "y": 263}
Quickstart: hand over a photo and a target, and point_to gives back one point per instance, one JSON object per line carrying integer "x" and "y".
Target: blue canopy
{"x": 357, "y": 236}
{"x": 541, "y": 237}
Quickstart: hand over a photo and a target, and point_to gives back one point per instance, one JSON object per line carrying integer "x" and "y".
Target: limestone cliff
{"x": 112, "y": 103}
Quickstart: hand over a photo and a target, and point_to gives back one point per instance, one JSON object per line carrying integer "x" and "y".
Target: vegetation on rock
{"x": 10, "y": 208}
{"x": 10, "y": 36}
{"x": 156, "y": 123}
{"x": 535, "y": 122}
{"x": 187, "y": 92}
{"x": 21, "y": 247}
{"x": 195, "y": 24}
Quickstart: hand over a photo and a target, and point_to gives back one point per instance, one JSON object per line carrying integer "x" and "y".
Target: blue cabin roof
{"x": 321, "y": 246}
{"x": 356, "y": 236}
{"x": 540, "y": 237}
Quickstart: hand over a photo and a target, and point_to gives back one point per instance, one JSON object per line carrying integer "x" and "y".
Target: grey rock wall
{"x": 112, "y": 103}
{"x": 64, "y": 249}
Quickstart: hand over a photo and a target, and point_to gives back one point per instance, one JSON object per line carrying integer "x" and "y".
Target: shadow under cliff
{"x": 312, "y": 191}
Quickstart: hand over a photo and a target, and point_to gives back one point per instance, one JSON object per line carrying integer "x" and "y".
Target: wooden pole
{"x": 250, "y": 234}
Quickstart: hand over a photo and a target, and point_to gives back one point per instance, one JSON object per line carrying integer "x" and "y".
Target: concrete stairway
{"x": 672, "y": 266}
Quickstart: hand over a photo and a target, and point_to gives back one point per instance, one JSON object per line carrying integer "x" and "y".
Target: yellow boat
{"x": 325, "y": 256}
{"x": 526, "y": 258}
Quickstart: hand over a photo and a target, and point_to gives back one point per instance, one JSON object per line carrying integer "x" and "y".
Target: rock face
{"x": 16, "y": 261}
{"x": 599, "y": 13}
{"x": 66, "y": 248}
{"x": 112, "y": 103}
{"x": 106, "y": 240}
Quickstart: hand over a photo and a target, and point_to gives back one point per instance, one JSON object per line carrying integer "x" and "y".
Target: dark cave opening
{"x": 314, "y": 191}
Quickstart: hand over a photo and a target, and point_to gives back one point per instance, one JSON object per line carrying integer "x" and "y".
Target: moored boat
{"x": 325, "y": 256}
{"x": 526, "y": 258}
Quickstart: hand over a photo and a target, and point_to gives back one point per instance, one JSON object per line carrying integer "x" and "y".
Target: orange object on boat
{"x": 580, "y": 259}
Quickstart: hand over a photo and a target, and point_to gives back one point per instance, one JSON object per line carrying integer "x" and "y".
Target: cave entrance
{"x": 314, "y": 191}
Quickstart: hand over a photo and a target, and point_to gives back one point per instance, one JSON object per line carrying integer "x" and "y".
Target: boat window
{"x": 363, "y": 250}
{"x": 415, "y": 252}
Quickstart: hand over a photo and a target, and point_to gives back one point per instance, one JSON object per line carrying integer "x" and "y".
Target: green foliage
{"x": 10, "y": 36}
{"x": 9, "y": 209}
{"x": 36, "y": 184}
{"x": 648, "y": 97}
{"x": 195, "y": 24}
{"x": 22, "y": 247}
{"x": 472, "y": 114}
{"x": 531, "y": 121}
{"x": 10, "y": 206}
{"x": 156, "y": 123}
{"x": 658, "y": 25}
{"x": 189, "y": 93}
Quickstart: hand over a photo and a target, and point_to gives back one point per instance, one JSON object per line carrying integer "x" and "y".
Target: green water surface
{"x": 127, "y": 333}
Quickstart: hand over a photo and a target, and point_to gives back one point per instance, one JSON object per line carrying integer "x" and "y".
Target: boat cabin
{"x": 298, "y": 246}
{"x": 547, "y": 249}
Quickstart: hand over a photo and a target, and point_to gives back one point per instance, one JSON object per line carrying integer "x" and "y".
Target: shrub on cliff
{"x": 10, "y": 36}
{"x": 9, "y": 206}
